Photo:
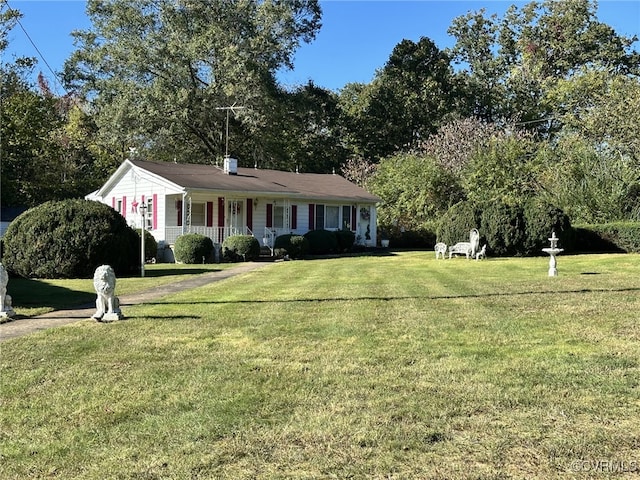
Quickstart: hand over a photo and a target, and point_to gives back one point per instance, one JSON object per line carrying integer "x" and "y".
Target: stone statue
{"x": 107, "y": 304}
{"x": 6, "y": 310}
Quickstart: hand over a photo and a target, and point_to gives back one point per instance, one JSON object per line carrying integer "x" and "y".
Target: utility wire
{"x": 44, "y": 60}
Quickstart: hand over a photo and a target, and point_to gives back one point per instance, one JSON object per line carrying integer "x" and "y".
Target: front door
{"x": 236, "y": 216}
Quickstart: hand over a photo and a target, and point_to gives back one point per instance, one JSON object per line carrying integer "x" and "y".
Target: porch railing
{"x": 216, "y": 234}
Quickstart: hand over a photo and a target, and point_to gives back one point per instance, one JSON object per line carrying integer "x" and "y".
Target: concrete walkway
{"x": 24, "y": 326}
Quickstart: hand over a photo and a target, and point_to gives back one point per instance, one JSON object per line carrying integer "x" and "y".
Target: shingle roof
{"x": 210, "y": 177}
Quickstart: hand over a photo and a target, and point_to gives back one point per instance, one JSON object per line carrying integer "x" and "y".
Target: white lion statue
{"x": 107, "y": 304}
{"x": 6, "y": 310}
{"x": 4, "y": 280}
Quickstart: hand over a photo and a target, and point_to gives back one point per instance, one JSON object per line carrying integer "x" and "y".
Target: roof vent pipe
{"x": 230, "y": 166}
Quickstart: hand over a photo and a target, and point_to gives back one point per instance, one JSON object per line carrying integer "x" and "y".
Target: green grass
{"x": 37, "y": 296}
{"x": 398, "y": 367}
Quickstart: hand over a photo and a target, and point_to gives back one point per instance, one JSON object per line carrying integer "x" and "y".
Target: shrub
{"x": 541, "y": 218}
{"x": 321, "y": 242}
{"x": 193, "y": 248}
{"x": 423, "y": 237}
{"x": 296, "y": 246}
{"x": 70, "y": 239}
{"x": 345, "y": 239}
{"x": 299, "y": 246}
{"x": 502, "y": 227}
{"x": 283, "y": 242}
{"x": 456, "y": 224}
{"x": 239, "y": 248}
{"x": 150, "y": 244}
{"x": 609, "y": 237}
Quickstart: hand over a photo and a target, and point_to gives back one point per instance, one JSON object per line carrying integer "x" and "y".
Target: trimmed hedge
{"x": 616, "y": 237}
{"x": 322, "y": 242}
{"x": 423, "y": 237}
{"x": 296, "y": 246}
{"x": 70, "y": 239}
{"x": 193, "y": 248}
{"x": 238, "y": 248}
{"x": 345, "y": 239}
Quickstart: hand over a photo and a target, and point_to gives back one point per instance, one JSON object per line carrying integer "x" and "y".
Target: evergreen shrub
{"x": 193, "y": 248}
{"x": 150, "y": 244}
{"x": 502, "y": 227}
{"x": 296, "y": 246}
{"x": 608, "y": 237}
{"x": 457, "y": 222}
{"x": 508, "y": 230}
{"x": 70, "y": 239}
{"x": 238, "y": 248}
{"x": 541, "y": 219}
{"x": 418, "y": 238}
{"x": 321, "y": 242}
{"x": 345, "y": 239}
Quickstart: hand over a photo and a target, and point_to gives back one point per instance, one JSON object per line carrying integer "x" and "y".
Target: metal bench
{"x": 468, "y": 249}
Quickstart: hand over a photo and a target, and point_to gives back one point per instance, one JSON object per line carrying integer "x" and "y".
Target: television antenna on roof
{"x": 232, "y": 108}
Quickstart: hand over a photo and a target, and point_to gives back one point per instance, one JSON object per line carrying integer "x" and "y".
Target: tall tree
{"x": 309, "y": 133}
{"x": 406, "y": 102}
{"x": 415, "y": 190}
{"x": 602, "y": 108}
{"x": 160, "y": 70}
{"x": 509, "y": 63}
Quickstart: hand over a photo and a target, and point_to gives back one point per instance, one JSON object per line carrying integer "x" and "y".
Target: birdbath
{"x": 553, "y": 251}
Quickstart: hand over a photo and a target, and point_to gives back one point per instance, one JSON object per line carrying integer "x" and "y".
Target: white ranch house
{"x": 220, "y": 202}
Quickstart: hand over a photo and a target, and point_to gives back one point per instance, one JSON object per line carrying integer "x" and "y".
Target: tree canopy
{"x": 159, "y": 72}
{"x": 542, "y": 102}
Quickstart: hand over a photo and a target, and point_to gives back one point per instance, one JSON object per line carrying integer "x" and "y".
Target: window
{"x": 278, "y": 216}
{"x": 119, "y": 206}
{"x": 149, "y": 214}
{"x": 198, "y": 214}
{"x": 332, "y": 217}
{"x": 346, "y": 218}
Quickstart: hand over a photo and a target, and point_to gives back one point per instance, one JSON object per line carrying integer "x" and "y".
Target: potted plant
{"x": 384, "y": 238}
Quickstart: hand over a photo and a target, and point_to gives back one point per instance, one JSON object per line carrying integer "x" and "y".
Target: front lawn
{"x": 398, "y": 366}
{"x": 37, "y": 296}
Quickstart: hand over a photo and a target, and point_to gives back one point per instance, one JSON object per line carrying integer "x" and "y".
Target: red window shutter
{"x": 312, "y": 216}
{"x": 221, "y": 211}
{"x": 113, "y": 202}
{"x": 249, "y": 213}
{"x": 179, "y": 211}
{"x": 209, "y": 214}
{"x": 269, "y": 215}
{"x": 354, "y": 217}
{"x": 294, "y": 217}
{"x": 155, "y": 211}
{"x": 124, "y": 206}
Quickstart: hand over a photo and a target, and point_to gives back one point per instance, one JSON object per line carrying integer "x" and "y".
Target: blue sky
{"x": 356, "y": 39}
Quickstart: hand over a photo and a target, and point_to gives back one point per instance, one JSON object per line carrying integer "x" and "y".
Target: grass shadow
{"x": 32, "y": 293}
{"x": 371, "y": 252}
{"x": 166, "y": 272}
